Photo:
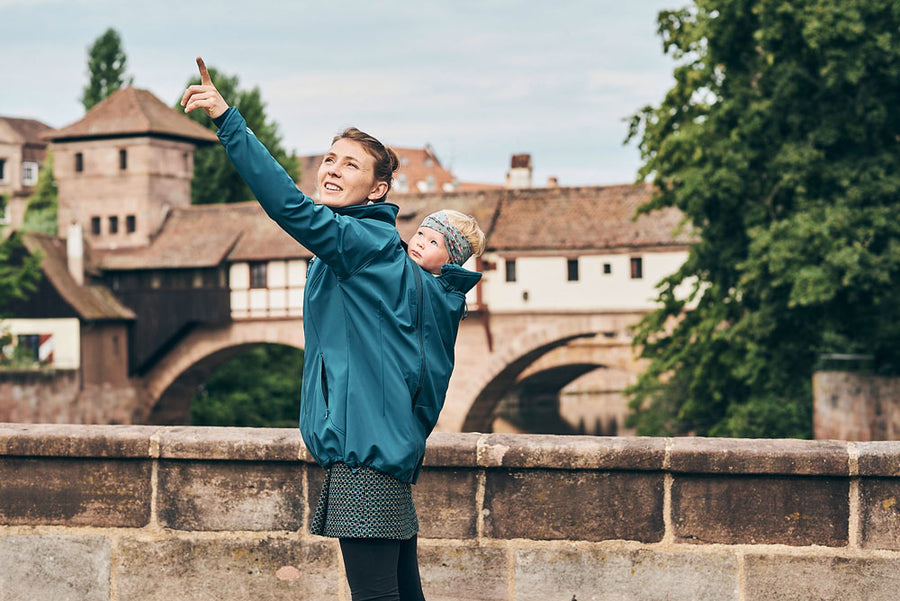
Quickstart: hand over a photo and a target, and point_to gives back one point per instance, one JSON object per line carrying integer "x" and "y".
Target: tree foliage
{"x": 779, "y": 144}
{"x": 42, "y": 207}
{"x": 258, "y": 388}
{"x": 19, "y": 271}
{"x": 215, "y": 179}
{"x": 106, "y": 68}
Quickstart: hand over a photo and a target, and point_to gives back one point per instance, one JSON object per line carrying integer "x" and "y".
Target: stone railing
{"x": 140, "y": 513}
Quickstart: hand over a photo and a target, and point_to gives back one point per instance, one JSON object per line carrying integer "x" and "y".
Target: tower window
{"x": 95, "y": 226}
{"x": 637, "y": 268}
{"x": 123, "y": 159}
{"x": 572, "y": 269}
{"x": 79, "y": 162}
{"x": 130, "y": 224}
{"x": 113, "y": 225}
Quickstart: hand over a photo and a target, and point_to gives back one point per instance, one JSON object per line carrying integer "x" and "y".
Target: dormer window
{"x": 123, "y": 159}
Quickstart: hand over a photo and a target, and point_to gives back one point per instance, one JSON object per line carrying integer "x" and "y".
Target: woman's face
{"x": 346, "y": 176}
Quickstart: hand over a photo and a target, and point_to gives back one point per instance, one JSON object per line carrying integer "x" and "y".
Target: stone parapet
{"x": 145, "y": 513}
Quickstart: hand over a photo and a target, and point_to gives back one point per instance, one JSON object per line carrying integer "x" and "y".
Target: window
{"x": 4, "y": 214}
{"x": 79, "y": 162}
{"x": 510, "y": 270}
{"x": 257, "y": 275}
{"x": 130, "y": 224}
{"x": 95, "y": 226}
{"x": 29, "y": 346}
{"x": 607, "y": 268}
{"x": 123, "y": 159}
{"x": 572, "y": 270}
{"x": 113, "y": 225}
{"x": 2, "y": 170}
{"x": 637, "y": 268}
{"x": 29, "y": 173}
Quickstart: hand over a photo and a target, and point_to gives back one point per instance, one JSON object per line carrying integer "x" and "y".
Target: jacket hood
{"x": 454, "y": 277}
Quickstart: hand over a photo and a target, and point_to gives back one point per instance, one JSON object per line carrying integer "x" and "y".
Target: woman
{"x": 379, "y": 341}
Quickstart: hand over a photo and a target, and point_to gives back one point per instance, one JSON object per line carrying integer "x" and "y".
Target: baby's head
{"x": 445, "y": 237}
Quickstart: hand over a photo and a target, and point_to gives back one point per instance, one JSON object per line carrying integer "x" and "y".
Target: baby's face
{"x": 427, "y": 248}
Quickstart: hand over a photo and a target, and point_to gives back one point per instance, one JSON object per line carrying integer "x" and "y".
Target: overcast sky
{"x": 478, "y": 80}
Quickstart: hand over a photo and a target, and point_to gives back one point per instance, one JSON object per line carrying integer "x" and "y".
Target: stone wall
{"x": 142, "y": 513}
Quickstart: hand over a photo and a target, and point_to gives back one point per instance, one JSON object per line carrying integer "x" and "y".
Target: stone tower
{"x": 123, "y": 166}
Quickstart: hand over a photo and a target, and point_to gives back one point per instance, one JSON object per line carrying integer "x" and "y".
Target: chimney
{"x": 519, "y": 175}
{"x": 75, "y": 252}
{"x": 552, "y": 182}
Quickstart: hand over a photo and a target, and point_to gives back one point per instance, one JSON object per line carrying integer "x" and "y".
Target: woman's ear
{"x": 378, "y": 191}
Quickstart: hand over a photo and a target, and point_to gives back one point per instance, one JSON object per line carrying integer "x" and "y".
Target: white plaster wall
{"x": 542, "y": 282}
{"x": 66, "y": 337}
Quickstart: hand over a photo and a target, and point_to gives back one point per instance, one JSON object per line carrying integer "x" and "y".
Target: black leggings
{"x": 380, "y": 569}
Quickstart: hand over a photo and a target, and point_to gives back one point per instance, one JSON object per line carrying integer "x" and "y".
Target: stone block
{"x": 240, "y": 495}
{"x": 457, "y": 450}
{"x": 614, "y": 575}
{"x": 759, "y": 456}
{"x": 446, "y": 503}
{"x": 761, "y": 510}
{"x": 578, "y": 505}
{"x": 461, "y": 573}
{"x": 879, "y": 513}
{"x": 105, "y": 493}
{"x": 68, "y": 440}
{"x": 61, "y": 568}
{"x": 575, "y": 452}
{"x": 784, "y": 578}
{"x": 879, "y": 458}
{"x": 237, "y": 570}
{"x": 232, "y": 444}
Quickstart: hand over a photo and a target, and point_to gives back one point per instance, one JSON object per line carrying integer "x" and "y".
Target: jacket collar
{"x": 381, "y": 211}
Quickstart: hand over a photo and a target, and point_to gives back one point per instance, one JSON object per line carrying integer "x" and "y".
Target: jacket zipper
{"x": 420, "y": 335}
{"x": 323, "y": 382}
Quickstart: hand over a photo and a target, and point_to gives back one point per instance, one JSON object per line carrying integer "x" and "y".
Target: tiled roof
{"x": 532, "y": 220}
{"x": 25, "y": 131}
{"x": 92, "y": 303}
{"x": 582, "y": 218}
{"x": 207, "y": 236}
{"x": 132, "y": 111}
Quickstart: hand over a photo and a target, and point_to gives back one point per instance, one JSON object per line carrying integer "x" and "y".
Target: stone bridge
{"x": 494, "y": 352}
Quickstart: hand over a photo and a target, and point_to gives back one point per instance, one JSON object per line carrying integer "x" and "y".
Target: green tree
{"x": 215, "y": 179}
{"x": 19, "y": 271}
{"x": 779, "y": 144}
{"x": 258, "y": 388}
{"x": 41, "y": 209}
{"x": 106, "y": 68}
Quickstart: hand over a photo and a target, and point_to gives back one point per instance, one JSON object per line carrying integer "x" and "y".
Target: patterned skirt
{"x": 364, "y": 503}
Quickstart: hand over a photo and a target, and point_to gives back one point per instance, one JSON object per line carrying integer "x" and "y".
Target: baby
{"x": 445, "y": 237}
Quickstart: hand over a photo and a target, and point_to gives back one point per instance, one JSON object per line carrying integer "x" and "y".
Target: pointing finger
{"x": 204, "y": 74}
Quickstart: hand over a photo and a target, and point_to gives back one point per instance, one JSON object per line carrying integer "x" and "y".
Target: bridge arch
{"x": 514, "y": 355}
{"x": 169, "y": 385}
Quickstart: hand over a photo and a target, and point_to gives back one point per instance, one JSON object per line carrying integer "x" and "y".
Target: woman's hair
{"x": 467, "y": 225}
{"x": 386, "y": 161}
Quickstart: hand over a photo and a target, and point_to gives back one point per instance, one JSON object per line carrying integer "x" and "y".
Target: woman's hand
{"x": 205, "y": 96}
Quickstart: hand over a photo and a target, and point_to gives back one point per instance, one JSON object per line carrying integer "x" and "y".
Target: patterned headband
{"x": 458, "y": 246}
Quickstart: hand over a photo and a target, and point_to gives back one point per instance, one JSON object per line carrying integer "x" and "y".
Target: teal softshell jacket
{"x": 379, "y": 330}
